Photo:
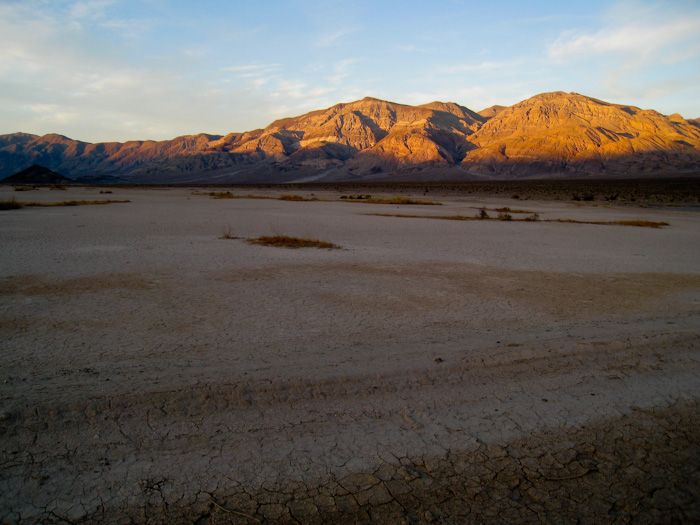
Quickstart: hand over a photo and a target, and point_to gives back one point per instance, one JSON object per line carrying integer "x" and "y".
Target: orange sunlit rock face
{"x": 568, "y": 130}
{"x": 371, "y": 139}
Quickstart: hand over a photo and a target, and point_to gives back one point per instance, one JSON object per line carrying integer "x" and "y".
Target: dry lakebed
{"x": 159, "y": 367}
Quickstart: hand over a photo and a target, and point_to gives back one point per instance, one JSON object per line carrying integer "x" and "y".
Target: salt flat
{"x": 428, "y": 370}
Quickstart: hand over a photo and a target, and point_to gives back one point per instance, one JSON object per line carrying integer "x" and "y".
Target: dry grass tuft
{"x": 283, "y": 241}
{"x": 293, "y": 198}
{"x": 227, "y": 233}
{"x": 358, "y": 197}
{"x": 70, "y": 203}
{"x": 509, "y": 210}
{"x": 504, "y": 209}
{"x": 642, "y": 224}
{"x": 299, "y": 198}
{"x": 221, "y": 195}
{"x": 395, "y": 200}
{"x": 533, "y": 218}
{"x": 229, "y": 195}
{"x": 12, "y": 204}
{"x": 443, "y": 217}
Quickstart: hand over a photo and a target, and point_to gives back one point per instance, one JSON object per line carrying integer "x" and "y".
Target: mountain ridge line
{"x": 555, "y": 134}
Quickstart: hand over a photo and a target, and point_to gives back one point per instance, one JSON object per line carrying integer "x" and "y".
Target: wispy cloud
{"x": 342, "y": 70}
{"x": 113, "y": 69}
{"x": 129, "y": 28}
{"x": 54, "y": 114}
{"x": 298, "y": 90}
{"x": 483, "y": 66}
{"x": 250, "y": 68}
{"x": 90, "y": 8}
{"x": 642, "y": 38}
{"x": 639, "y": 51}
{"x": 460, "y": 95}
{"x": 333, "y": 38}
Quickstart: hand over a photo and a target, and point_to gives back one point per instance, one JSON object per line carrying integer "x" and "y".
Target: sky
{"x": 117, "y": 70}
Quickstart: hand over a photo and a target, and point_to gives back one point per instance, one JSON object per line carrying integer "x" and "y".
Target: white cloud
{"x": 90, "y": 8}
{"x": 54, "y": 114}
{"x": 250, "y": 68}
{"x": 342, "y": 69}
{"x": 286, "y": 89}
{"x": 644, "y": 37}
{"x": 466, "y": 95}
{"x": 129, "y": 28}
{"x": 483, "y": 66}
{"x": 79, "y": 76}
{"x": 642, "y": 53}
{"x": 115, "y": 82}
{"x": 333, "y": 38}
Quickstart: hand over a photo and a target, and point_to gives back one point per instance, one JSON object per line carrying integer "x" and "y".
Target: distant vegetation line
{"x": 646, "y": 190}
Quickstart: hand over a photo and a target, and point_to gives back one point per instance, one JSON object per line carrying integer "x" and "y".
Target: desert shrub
{"x": 532, "y": 218}
{"x": 12, "y": 204}
{"x": 643, "y": 224}
{"x": 588, "y": 197}
{"x": 483, "y": 214}
{"x": 24, "y": 188}
{"x": 294, "y": 198}
{"x": 358, "y": 197}
{"x": 227, "y": 233}
{"x": 221, "y": 195}
{"x": 291, "y": 198}
{"x": 284, "y": 241}
{"x": 443, "y": 217}
{"x": 396, "y": 200}
{"x": 70, "y": 203}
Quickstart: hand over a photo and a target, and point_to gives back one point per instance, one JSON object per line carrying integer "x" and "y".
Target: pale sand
{"x": 429, "y": 370}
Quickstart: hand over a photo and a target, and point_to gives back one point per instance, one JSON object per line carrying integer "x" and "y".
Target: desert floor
{"x": 426, "y": 371}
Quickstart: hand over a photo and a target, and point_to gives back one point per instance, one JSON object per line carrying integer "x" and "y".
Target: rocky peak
{"x": 55, "y": 138}
{"x": 557, "y": 132}
{"x": 564, "y": 129}
{"x": 491, "y": 111}
{"x": 36, "y": 174}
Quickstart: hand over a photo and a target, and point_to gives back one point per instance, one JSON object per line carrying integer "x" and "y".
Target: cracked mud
{"x": 473, "y": 372}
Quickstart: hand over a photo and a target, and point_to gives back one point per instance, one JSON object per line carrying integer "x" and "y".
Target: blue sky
{"x": 116, "y": 70}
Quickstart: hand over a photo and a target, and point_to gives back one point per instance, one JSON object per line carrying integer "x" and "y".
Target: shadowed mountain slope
{"x": 59, "y": 153}
{"x": 556, "y": 133}
{"x": 36, "y": 174}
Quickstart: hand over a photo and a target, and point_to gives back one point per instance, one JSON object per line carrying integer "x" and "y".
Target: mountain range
{"x": 549, "y": 135}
